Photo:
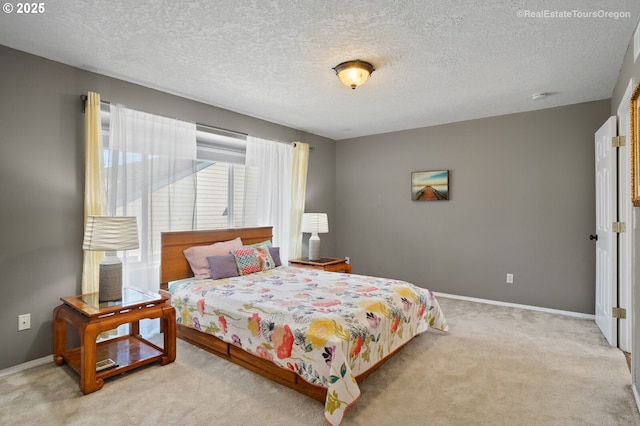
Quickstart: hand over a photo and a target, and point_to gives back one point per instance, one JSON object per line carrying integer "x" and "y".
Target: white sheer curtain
{"x": 150, "y": 173}
{"x": 270, "y": 163}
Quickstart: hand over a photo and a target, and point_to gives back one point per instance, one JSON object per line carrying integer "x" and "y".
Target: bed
{"x": 319, "y": 333}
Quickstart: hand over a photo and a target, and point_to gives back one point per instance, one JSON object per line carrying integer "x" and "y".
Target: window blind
{"x": 220, "y": 145}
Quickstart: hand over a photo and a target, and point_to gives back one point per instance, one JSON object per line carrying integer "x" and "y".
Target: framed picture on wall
{"x": 635, "y": 147}
{"x": 430, "y": 186}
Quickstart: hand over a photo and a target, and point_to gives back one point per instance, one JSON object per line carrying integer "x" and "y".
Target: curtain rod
{"x": 84, "y": 98}
{"x": 220, "y": 129}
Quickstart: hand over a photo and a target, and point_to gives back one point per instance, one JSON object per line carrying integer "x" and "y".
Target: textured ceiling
{"x": 436, "y": 61}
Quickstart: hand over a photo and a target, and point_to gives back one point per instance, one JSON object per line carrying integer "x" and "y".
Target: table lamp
{"x": 315, "y": 223}
{"x": 110, "y": 234}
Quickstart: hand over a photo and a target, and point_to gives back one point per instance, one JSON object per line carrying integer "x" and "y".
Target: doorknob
{"x": 593, "y": 237}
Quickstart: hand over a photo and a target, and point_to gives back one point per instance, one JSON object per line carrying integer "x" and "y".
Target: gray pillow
{"x": 275, "y": 255}
{"x": 223, "y": 266}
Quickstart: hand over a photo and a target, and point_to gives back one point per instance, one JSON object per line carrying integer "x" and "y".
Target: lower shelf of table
{"x": 128, "y": 352}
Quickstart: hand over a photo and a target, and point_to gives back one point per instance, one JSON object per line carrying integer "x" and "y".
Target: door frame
{"x": 625, "y": 214}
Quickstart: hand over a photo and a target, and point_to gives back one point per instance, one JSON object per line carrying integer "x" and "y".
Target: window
{"x": 221, "y": 183}
{"x": 222, "y": 180}
{"x": 220, "y": 190}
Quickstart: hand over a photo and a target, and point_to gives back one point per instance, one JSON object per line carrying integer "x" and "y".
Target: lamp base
{"x": 314, "y": 247}
{"x": 110, "y": 279}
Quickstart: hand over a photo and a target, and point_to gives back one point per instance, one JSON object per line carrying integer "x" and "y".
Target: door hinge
{"x": 618, "y": 141}
{"x": 620, "y": 313}
{"x": 619, "y": 227}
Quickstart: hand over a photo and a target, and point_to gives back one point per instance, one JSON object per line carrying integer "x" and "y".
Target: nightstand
{"x": 89, "y": 318}
{"x": 324, "y": 263}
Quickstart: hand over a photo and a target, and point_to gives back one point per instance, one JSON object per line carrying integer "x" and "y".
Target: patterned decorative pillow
{"x": 266, "y": 243}
{"x": 253, "y": 259}
{"x": 223, "y": 266}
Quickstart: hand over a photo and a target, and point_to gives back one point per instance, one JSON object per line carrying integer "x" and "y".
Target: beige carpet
{"x": 497, "y": 366}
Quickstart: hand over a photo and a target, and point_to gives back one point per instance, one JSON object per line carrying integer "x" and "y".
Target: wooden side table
{"x": 90, "y": 318}
{"x": 325, "y": 263}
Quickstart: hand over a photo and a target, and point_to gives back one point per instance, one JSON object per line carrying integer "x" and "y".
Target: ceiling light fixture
{"x": 537, "y": 96}
{"x": 353, "y": 73}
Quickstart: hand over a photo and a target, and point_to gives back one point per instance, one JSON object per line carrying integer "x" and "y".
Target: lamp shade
{"x": 353, "y": 73}
{"x": 110, "y": 233}
{"x": 316, "y": 223}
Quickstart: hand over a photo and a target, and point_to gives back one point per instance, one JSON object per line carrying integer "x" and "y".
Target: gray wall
{"x": 522, "y": 202}
{"x": 42, "y": 181}
{"x": 320, "y": 196}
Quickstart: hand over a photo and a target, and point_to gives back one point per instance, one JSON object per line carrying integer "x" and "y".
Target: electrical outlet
{"x": 510, "y": 278}
{"x": 346, "y": 259}
{"x": 24, "y": 322}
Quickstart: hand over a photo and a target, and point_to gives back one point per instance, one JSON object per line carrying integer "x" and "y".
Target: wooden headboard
{"x": 173, "y": 264}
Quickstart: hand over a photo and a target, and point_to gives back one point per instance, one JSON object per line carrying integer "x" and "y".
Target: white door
{"x": 606, "y": 243}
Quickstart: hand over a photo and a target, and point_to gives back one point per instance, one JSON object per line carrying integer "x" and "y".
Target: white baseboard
{"x": 26, "y": 365}
{"x": 580, "y": 315}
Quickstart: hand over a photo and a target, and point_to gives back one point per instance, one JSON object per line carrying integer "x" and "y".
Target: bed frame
{"x": 174, "y": 266}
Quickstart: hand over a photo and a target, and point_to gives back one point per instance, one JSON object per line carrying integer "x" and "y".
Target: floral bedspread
{"x": 327, "y": 327}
